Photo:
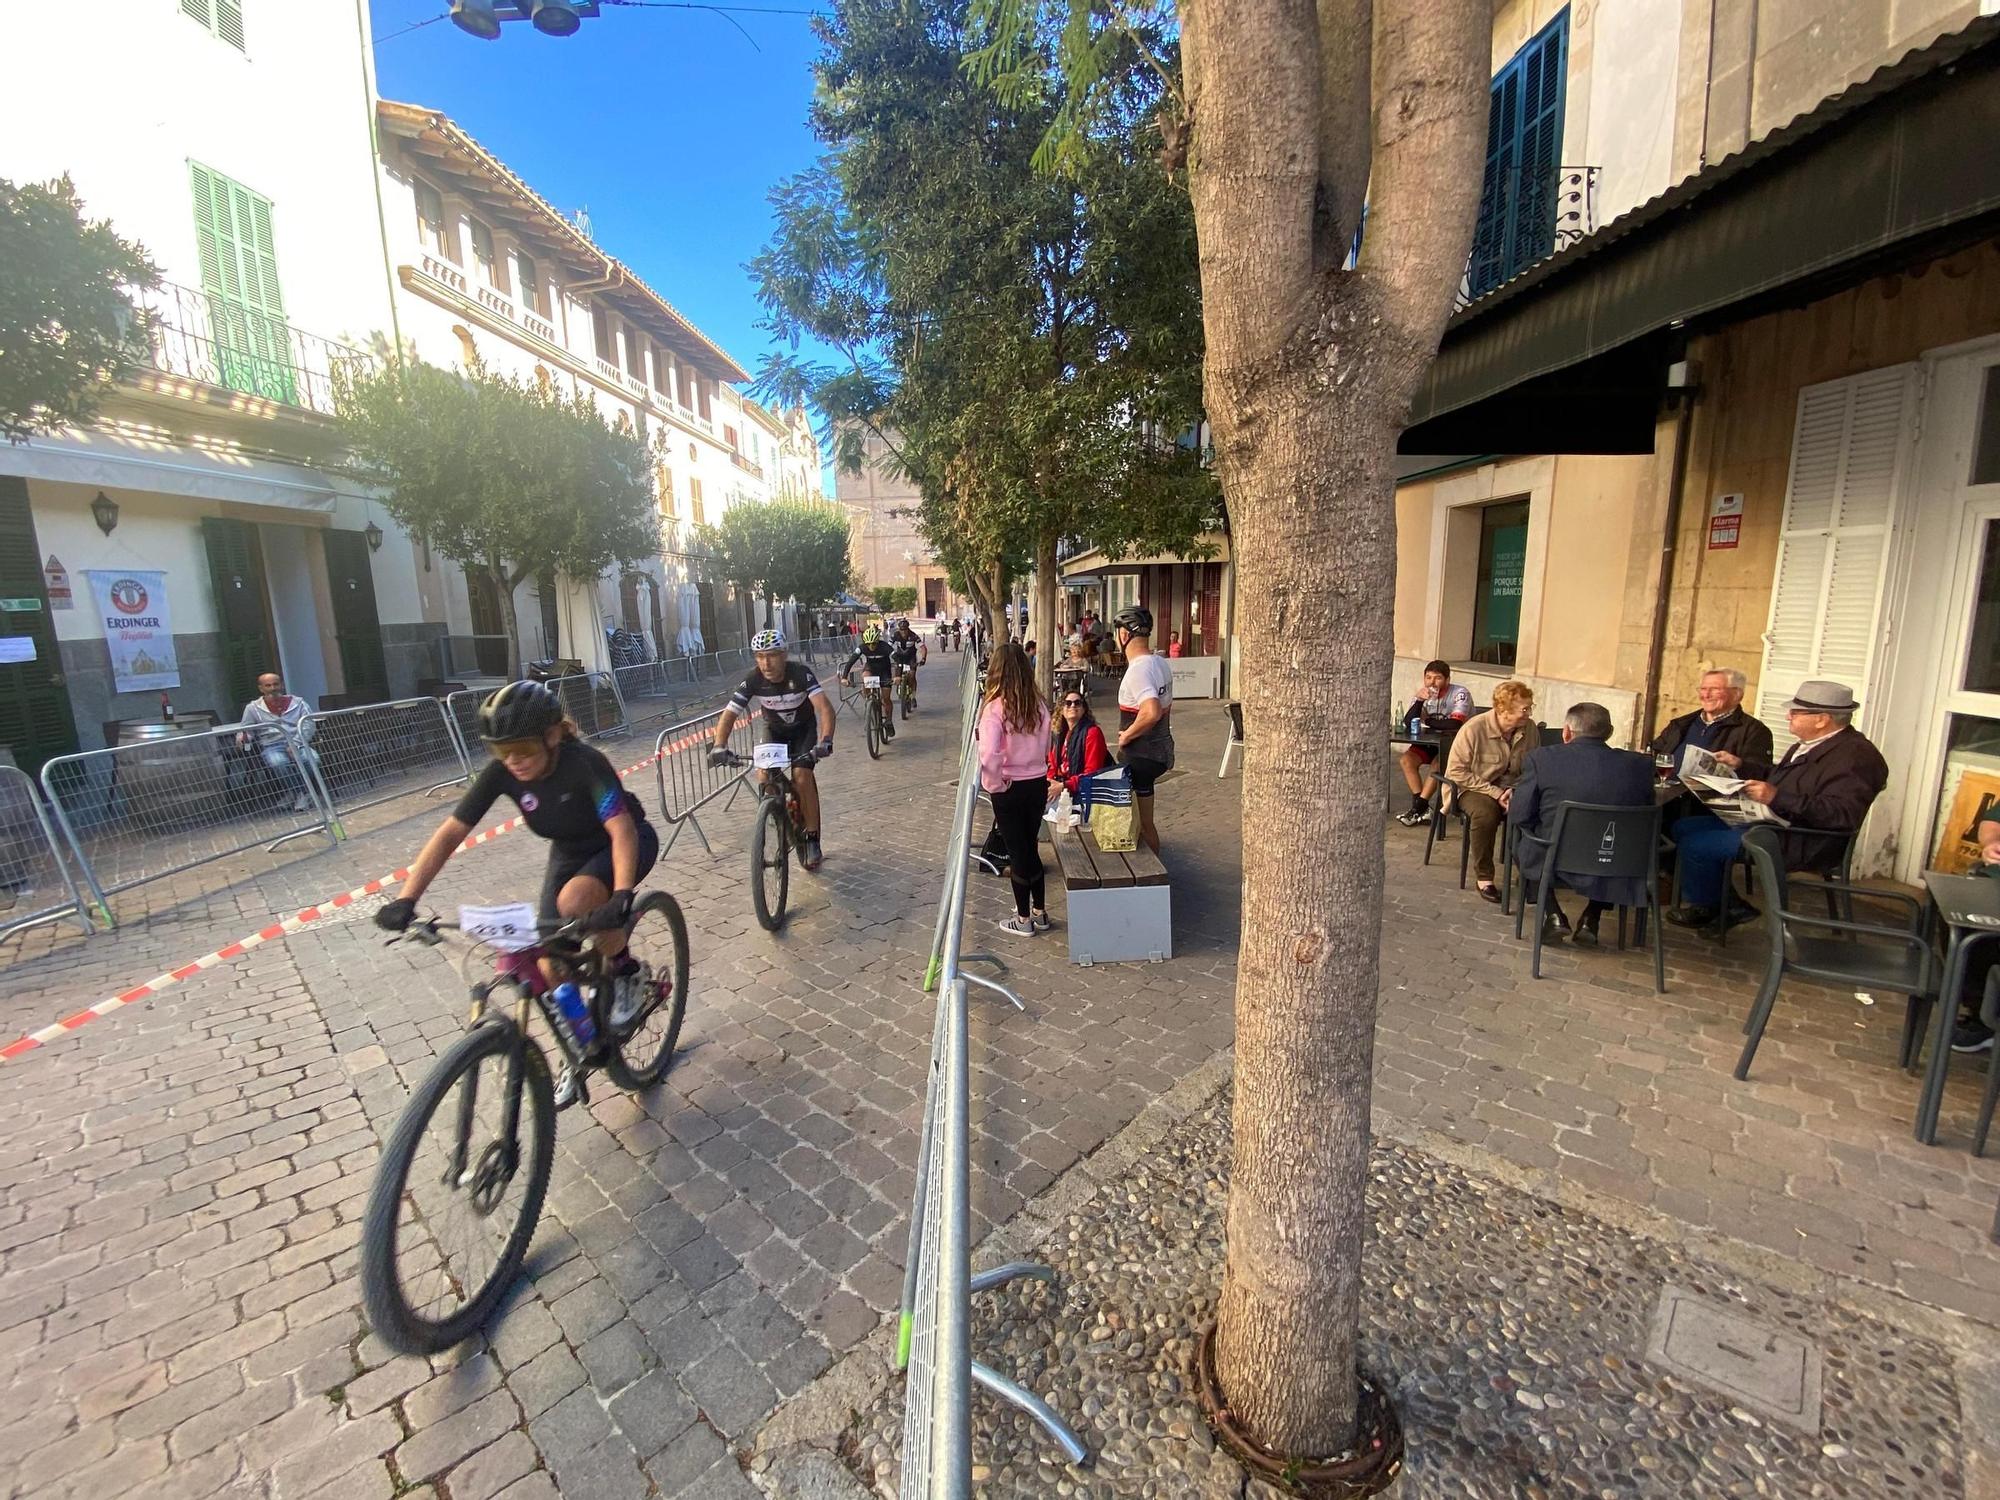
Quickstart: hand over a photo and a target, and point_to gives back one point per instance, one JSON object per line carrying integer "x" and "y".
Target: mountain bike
{"x": 775, "y": 831}
{"x": 906, "y": 687}
{"x": 460, "y": 1185}
{"x": 871, "y": 688}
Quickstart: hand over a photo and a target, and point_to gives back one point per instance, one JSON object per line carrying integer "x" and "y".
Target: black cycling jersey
{"x": 876, "y": 656}
{"x": 569, "y": 807}
{"x": 904, "y": 649}
{"x": 785, "y": 703}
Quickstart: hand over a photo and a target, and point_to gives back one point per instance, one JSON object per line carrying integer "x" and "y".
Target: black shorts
{"x": 566, "y": 864}
{"x": 1144, "y": 771}
{"x": 798, "y": 739}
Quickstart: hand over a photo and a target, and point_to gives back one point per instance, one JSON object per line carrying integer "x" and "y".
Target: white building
{"x": 232, "y": 142}
{"x": 488, "y": 271}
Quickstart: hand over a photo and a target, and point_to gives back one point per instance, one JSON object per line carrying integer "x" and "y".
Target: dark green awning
{"x": 1904, "y": 161}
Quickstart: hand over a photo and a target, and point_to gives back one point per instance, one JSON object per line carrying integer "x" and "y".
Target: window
{"x": 1517, "y": 198}
{"x": 1986, "y": 445}
{"x": 529, "y": 280}
{"x": 1496, "y": 599}
{"x": 666, "y": 476}
{"x": 690, "y": 389}
{"x": 432, "y": 228}
{"x": 236, "y": 244}
{"x": 729, "y": 435}
{"x": 661, "y": 365}
{"x": 490, "y": 268}
{"x": 694, "y": 502}
{"x": 223, "y": 17}
{"x": 600, "y": 333}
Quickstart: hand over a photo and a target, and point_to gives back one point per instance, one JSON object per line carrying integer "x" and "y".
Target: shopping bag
{"x": 1107, "y": 809}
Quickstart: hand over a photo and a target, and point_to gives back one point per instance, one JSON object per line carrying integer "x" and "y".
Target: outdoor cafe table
{"x": 1969, "y": 908}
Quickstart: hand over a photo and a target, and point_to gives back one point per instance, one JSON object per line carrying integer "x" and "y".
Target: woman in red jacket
{"x": 1076, "y": 748}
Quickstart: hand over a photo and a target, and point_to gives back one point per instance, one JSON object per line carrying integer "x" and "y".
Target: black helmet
{"x": 520, "y": 711}
{"x": 1136, "y": 618}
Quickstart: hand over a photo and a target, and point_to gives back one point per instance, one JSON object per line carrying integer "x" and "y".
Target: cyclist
{"x": 906, "y": 650}
{"x": 874, "y": 653}
{"x": 601, "y": 845}
{"x": 782, "y": 691}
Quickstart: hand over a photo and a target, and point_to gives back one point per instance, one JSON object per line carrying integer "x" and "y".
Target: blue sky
{"x": 667, "y": 125}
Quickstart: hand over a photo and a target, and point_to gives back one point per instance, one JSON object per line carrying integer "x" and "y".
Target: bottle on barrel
{"x": 166, "y": 709}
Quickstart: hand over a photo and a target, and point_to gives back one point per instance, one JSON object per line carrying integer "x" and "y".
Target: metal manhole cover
{"x": 1769, "y": 1369}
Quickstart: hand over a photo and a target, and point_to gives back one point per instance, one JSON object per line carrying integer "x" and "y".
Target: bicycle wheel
{"x": 659, "y": 940}
{"x": 874, "y": 730}
{"x": 909, "y": 694}
{"x": 770, "y": 863}
{"x": 443, "y": 1236}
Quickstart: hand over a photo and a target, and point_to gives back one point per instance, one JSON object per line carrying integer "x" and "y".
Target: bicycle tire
{"x": 620, "y": 1068}
{"x": 874, "y": 734}
{"x": 403, "y": 1326}
{"x": 769, "y": 824}
{"x": 909, "y": 695}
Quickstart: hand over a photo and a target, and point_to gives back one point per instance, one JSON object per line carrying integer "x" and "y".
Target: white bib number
{"x": 509, "y": 928}
{"x": 771, "y": 756}
{"x": 871, "y": 681}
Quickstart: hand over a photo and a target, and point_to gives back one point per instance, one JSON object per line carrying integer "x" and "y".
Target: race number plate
{"x": 771, "y": 757}
{"x": 871, "y": 681}
{"x": 509, "y": 928}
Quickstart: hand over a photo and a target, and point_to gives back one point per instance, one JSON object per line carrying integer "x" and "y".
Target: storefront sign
{"x": 138, "y": 629}
{"x": 1725, "y": 522}
{"x": 1196, "y": 676}
{"x": 55, "y": 577}
{"x": 28, "y": 606}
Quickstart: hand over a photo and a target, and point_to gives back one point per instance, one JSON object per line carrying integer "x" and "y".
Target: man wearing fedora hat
{"x": 1827, "y": 781}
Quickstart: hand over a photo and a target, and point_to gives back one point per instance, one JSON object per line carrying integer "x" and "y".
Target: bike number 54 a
{"x": 771, "y": 757}
{"x": 509, "y": 928}
{"x": 871, "y": 681}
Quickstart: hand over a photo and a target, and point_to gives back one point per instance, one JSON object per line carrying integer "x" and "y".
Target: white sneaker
{"x": 565, "y": 1087}
{"x": 1020, "y": 926}
{"x": 1039, "y": 920}
{"x": 628, "y": 992}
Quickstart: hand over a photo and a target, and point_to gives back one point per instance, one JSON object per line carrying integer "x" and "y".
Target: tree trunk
{"x": 1048, "y": 636}
{"x": 504, "y": 585}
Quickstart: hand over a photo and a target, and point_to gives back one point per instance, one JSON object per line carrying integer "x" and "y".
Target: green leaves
{"x": 789, "y": 548}
{"x": 486, "y": 468}
{"x": 894, "y": 598}
{"x": 68, "y": 326}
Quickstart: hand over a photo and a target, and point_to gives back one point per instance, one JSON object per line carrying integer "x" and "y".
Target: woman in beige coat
{"x": 1485, "y": 762}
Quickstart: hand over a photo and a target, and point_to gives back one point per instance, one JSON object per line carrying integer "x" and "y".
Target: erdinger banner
{"x": 137, "y": 628}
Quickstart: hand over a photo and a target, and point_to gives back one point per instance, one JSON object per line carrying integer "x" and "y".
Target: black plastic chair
{"x": 1434, "y": 831}
{"x": 1831, "y": 949}
{"x": 1596, "y": 839}
{"x": 1839, "y": 871}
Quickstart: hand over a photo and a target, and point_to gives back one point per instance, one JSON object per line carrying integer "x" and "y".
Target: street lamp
{"x": 483, "y": 18}
{"x": 104, "y": 510}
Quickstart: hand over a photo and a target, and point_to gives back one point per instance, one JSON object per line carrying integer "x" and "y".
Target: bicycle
{"x": 871, "y": 687}
{"x": 775, "y": 826}
{"x": 906, "y": 687}
{"x": 481, "y": 1145}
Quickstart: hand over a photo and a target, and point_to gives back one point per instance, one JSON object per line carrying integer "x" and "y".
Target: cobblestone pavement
{"x": 180, "y": 1182}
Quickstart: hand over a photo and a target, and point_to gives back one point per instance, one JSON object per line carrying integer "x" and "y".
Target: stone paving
{"x": 180, "y": 1182}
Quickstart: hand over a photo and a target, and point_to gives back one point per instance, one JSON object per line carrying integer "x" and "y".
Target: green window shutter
{"x": 237, "y": 248}
{"x": 229, "y": 22}
{"x": 199, "y": 10}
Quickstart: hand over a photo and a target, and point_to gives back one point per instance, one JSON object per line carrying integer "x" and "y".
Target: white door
{"x": 1947, "y": 712}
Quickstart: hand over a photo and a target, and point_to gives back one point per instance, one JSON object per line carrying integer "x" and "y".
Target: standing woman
{"x": 1013, "y": 740}
{"x": 1145, "y": 714}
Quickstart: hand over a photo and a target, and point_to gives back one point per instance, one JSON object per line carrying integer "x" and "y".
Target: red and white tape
{"x": 279, "y": 929}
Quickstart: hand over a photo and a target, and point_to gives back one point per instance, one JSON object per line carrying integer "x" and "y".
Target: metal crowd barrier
{"x": 688, "y": 782}
{"x": 934, "y": 1337}
{"x": 138, "y": 813}
{"x": 589, "y": 698}
{"x": 35, "y": 882}
{"x": 375, "y": 752}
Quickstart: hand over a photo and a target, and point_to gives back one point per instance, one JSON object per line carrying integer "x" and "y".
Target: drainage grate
{"x": 1769, "y": 1369}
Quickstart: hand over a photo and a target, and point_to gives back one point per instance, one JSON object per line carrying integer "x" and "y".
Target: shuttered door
{"x": 1517, "y": 196}
{"x": 236, "y": 574}
{"x": 236, "y": 243}
{"x": 223, "y": 17}
{"x": 357, "y": 631}
{"x": 1850, "y": 455}
{"x": 35, "y": 721}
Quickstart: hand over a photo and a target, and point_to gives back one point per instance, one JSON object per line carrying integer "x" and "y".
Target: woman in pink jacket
{"x": 1013, "y": 746}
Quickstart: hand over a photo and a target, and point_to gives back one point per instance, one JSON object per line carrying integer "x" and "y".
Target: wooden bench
{"x": 1120, "y": 904}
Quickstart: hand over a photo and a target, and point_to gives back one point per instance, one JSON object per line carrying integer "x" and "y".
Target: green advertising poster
{"x": 1503, "y": 584}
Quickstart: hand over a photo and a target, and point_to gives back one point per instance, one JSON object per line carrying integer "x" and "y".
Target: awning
{"x": 107, "y": 459}
{"x": 1899, "y": 163}
{"x": 1092, "y": 560}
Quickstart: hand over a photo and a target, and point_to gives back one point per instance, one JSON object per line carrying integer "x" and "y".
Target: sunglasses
{"x": 514, "y": 749}
{"x": 1072, "y": 703}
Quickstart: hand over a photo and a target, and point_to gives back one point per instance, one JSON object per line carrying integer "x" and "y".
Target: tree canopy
{"x": 894, "y": 598}
{"x": 500, "y": 475}
{"x": 68, "y": 325}
{"x": 1028, "y": 348}
{"x": 788, "y": 548}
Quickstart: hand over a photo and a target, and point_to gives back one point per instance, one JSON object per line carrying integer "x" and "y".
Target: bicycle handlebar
{"x": 804, "y": 762}
{"x": 430, "y": 931}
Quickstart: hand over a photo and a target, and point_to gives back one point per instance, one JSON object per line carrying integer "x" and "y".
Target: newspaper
{"x": 1720, "y": 792}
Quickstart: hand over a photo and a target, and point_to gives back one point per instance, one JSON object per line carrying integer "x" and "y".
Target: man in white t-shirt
{"x": 1145, "y": 713}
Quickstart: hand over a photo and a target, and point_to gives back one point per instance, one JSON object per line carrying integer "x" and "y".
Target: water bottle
{"x": 576, "y": 1013}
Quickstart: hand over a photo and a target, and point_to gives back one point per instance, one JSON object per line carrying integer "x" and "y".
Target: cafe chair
{"x": 1434, "y": 830}
{"x": 1834, "y": 950}
{"x": 1989, "y": 1012}
{"x": 1596, "y": 839}
{"x": 1235, "y": 745}
{"x": 1837, "y": 871}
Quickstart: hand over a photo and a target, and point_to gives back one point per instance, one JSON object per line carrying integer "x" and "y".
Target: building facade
{"x": 887, "y": 545}
{"x": 211, "y": 485}
{"x": 1736, "y": 411}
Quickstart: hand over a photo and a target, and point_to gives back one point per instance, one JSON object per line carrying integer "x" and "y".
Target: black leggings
{"x": 1017, "y": 817}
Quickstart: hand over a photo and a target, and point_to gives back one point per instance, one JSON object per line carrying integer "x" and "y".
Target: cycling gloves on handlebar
{"x": 612, "y": 914}
{"x": 396, "y": 915}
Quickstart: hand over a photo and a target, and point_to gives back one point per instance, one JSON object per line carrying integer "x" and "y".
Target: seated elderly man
{"x": 1583, "y": 768}
{"x": 1720, "y": 724}
{"x": 1827, "y": 781}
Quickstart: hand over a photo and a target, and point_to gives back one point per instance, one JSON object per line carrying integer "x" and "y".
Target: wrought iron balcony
{"x": 1525, "y": 218}
{"x": 198, "y": 336}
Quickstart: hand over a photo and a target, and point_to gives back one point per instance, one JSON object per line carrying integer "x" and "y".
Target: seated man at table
{"x": 1827, "y": 782}
{"x": 1583, "y": 768}
{"x": 1439, "y": 709}
{"x": 1719, "y": 724}
{"x": 276, "y": 721}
